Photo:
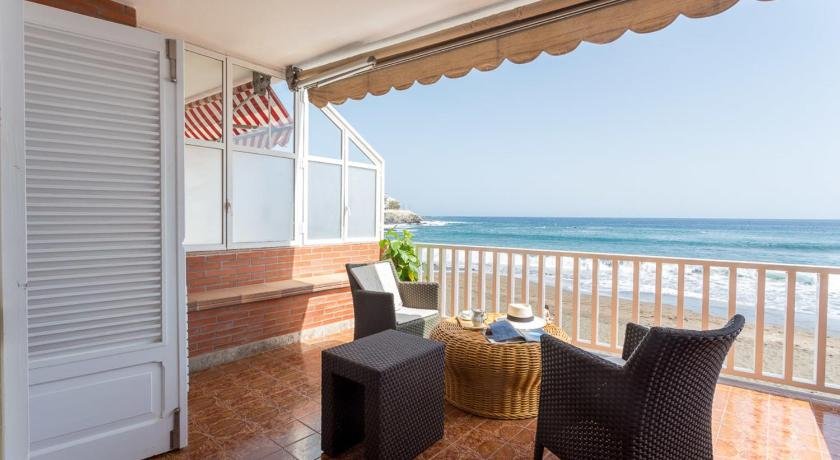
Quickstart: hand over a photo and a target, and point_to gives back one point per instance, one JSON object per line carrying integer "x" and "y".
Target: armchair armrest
{"x": 419, "y": 294}
{"x": 633, "y": 336}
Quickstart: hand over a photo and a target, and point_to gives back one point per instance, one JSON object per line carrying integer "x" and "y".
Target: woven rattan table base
{"x": 491, "y": 380}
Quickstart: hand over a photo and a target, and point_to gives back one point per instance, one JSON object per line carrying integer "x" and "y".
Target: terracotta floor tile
{"x": 253, "y": 448}
{"x": 454, "y": 431}
{"x": 268, "y": 406}
{"x": 473, "y": 439}
{"x": 524, "y": 439}
{"x": 308, "y": 448}
{"x": 456, "y": 452}
{"x": 290, "y": 433}
{"x": 505, "y": 452}
{"x": 312, "y": 420}
{"x": 434, "y": 450}
{"x": 501, "y": 429}
{"x": 279, "y": 455}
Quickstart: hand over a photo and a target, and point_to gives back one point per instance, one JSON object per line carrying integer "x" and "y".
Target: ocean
{"x": 802, "y": 242}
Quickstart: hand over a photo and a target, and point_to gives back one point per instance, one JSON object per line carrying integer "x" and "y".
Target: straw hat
{"x": 521, "y": 316}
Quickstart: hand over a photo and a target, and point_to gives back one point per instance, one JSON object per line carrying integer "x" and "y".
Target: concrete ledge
{"x": 226, "y": 297}
{"x": 227, "y": 355}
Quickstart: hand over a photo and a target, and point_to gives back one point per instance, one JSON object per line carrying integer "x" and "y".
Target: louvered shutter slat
{"x": 93, "y": 194}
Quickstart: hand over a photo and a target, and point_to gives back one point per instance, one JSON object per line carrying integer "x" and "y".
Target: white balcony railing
{"x": 792, "y": 335}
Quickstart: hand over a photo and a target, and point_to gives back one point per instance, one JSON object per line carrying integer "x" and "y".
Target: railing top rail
{"x": 643, "y": 258}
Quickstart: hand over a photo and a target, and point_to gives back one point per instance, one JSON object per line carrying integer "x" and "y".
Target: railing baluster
{"x": 442, "y": 281}
{"x": 495, "y": 282}
{"x": 468, "y": 280}
{"x": 481, "y": 275}
{"x": 704, "y": 314}
{"x": 594, "y": 302}
{"x": 637, "y": 266}
{"x": 822, "y": 329}
{"x": 540, "y": 310}
{"x": 558, "y": 290}
{"x": 732, "y": 305}
{"x": 455, "y": 282}
{"x": 433, "y": 268}
{"x": 680, "y": 294}
{"x": 526, "y": 282}
{"x": 657, "y": 303}
{"x": 510, "y": 297}
{"x": 575, "y": 299}
{"x": 614, "y": 306}
{"x": 790, "y": 324}
{"x": 758, "y": 368}
{"x": 430, "y": 264}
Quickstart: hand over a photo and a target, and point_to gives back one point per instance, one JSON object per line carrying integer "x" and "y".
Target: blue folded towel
{"x": 503, "y": 331}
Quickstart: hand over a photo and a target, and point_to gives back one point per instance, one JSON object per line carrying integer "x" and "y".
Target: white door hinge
{"x": 172, "y": 56}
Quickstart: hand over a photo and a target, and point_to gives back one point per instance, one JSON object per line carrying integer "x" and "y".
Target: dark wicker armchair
{"x": 656, "y": 405}
{"x": 374, "y": 311}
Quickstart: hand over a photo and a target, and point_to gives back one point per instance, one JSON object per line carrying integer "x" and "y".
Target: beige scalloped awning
{"x": 604, "y": 22}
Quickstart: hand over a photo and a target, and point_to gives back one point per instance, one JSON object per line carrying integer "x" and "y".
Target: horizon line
{"x": 423, "y": 216}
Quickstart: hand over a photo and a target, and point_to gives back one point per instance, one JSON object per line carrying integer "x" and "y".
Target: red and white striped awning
{"x": 258, "y": 121}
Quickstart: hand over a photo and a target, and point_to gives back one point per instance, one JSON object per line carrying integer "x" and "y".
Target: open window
{"x": 343, "y": 181}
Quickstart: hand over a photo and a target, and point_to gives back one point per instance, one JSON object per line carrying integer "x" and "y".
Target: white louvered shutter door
{"x": 97, "y": 194}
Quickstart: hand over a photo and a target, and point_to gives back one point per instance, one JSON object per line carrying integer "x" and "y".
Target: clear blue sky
{"x": 736, "y": 116}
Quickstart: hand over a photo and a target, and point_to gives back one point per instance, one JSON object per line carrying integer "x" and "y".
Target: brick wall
{"x": 220, "y": 328}
{"x": 216, "y": 329}
{"x": 223, "y": 269}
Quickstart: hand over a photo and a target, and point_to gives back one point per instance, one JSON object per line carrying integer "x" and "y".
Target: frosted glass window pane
{"x": 324, "y": 201}
{"x": 324, "y": 135}
{"x": 261, "y": 118}
{"x": 356, "y": 154}
{"x": 361, "y": 190}
{"x": 203, "y": 195}
{"x": 262, "y": 198}
{"x": 203, "y": 97}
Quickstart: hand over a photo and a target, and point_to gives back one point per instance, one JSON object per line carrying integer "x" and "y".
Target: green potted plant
{"x": 401, "y": 251}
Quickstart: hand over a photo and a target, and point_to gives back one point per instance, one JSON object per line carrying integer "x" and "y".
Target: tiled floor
{"x": 268, "y": 406}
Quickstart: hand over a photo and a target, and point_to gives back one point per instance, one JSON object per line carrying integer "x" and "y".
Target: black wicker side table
{"x": 385, "y": 388}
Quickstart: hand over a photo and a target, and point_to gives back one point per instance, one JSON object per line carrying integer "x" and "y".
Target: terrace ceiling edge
{"x": 518, "y": 35}
{"x": 103, "y": 324}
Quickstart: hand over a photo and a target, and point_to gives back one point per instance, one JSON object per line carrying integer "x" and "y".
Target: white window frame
{"x": 214, "y": 145}
{"x": 348, "y": 134}
{"x": 228, "y": 148}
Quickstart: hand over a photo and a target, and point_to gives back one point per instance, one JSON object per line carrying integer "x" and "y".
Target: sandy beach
{"x": 774, "y": 338}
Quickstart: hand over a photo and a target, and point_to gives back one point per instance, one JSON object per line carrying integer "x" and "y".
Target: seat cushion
{"x": 378, "y": 277}
{"x": 405, "y": 314}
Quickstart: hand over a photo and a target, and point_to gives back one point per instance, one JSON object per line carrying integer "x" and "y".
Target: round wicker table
{"x": 499, "y": 381}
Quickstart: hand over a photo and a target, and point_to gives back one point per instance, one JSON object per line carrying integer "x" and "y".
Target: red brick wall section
{"x": 222, "y": 269}
{"x": 220, "y": 328}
